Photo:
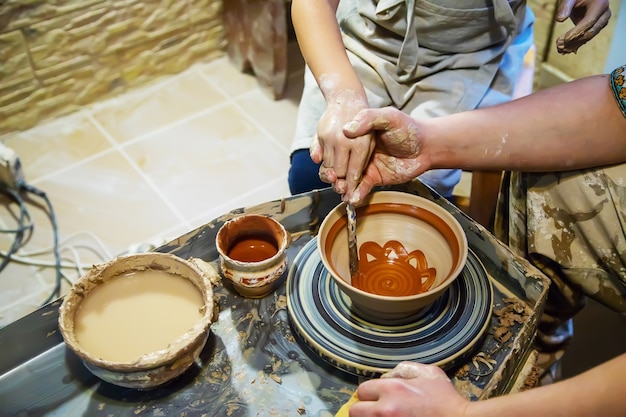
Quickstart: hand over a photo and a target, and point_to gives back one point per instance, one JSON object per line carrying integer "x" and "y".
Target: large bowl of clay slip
{"x": 139, "y": 321}
{"x": 410, "y": 251}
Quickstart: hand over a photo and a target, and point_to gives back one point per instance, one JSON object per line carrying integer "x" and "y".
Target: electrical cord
{"x": 13, "y": 253}
{"x": 20, "y": 229}
{"x": 104, "y": 255}
{"x": 56, "y": 291}
{"x": 14, "y": 185}
{"x": 26, "y": 258}
{"x": 16, "y": 254}
{"x": 23, "y": 227}
{"x": 73, "y": 251}
{"x": 47, "y": 264}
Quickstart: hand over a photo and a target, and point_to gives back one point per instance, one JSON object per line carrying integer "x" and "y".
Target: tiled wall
{"x": 57, "y": 55}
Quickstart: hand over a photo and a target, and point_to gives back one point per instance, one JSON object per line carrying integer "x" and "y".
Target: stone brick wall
{"x": 58, "y": 55}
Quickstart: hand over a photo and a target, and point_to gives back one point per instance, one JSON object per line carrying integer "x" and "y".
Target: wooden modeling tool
{"x": 352, "y": 246}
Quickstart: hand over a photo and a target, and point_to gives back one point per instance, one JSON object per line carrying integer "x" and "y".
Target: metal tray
{"x": 252, "y": 364}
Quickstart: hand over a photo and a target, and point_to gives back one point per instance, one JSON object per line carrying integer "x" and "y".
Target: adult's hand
{"x": 410, "y": 389}
{"x": 341, "y": 159}
{"x": 397, "y": 157}
{"x": 589, "y": 18}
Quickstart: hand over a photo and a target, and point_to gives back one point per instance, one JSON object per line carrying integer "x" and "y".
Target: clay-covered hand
{"x": 410, "y": 389}
{"x": 589, "y": 18}
{"x": 396, "y": 158}
{"x": 341, "y": 159}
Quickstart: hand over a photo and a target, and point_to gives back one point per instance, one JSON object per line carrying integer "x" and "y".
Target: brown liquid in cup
{"x": 253, "y": 248}
{"x": 392, "y": 271}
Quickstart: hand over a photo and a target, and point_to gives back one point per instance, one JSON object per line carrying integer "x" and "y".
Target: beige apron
{"x": 427, "y": 58}
{"x": 443, "y": 50}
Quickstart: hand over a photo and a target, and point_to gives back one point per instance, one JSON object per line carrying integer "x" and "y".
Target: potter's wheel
{"x": 443, "y": 334}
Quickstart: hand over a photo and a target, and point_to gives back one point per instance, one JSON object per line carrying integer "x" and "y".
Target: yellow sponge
{"x": 343, "y": 411}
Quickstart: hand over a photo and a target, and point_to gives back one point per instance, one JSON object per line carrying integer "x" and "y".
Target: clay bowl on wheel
{"x": 139, "y": 321}
{"x": 410, "y": 251}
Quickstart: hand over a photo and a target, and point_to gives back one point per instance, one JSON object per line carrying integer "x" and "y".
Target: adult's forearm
{"x": 598, "y": 392}
{"x": 571, "y": 126}
{"x": 320, "y": 42}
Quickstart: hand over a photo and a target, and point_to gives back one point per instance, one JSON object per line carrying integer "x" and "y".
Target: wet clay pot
{"x": 154, "y": 368}
{"x": 252, "y": 252}
{"x": 410, "y": 251}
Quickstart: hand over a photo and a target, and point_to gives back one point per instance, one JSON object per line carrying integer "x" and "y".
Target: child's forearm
{"x": 320, "y": 42}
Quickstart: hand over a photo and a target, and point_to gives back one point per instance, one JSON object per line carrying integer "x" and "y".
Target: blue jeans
{"x": 304, "y": 176}
{"x": 304, "y": 173}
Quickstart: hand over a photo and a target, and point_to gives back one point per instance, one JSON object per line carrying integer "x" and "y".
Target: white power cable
{"x": 67, "y": 279}
{"x": 41, "y": 262}
{"x": 26, "y": 258}
{"x": 80, "y": 269}
{"x": 49, "y": 249}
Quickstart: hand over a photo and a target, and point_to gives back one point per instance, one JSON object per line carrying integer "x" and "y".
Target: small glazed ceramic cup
{"x": 398, "y": 228}
{"x": 252, "y": 252}
{"x": 151, "y": 369}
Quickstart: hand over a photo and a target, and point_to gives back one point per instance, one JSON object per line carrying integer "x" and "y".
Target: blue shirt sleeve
{"x": 617, "y": 85}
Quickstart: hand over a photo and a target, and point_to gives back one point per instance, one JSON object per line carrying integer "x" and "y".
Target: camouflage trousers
{"x": 572, "y": 226}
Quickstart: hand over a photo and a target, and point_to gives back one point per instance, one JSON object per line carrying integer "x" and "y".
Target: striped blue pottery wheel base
{"x": 443, "y": 333}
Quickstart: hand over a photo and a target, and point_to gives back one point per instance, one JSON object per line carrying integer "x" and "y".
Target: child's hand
{"x": 342, "y": 159}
